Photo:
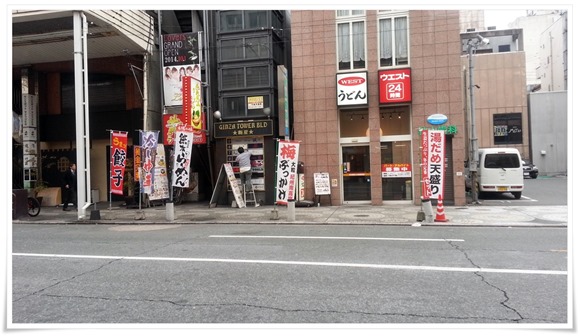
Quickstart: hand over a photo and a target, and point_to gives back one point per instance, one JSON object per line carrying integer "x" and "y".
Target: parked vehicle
{"x": 530, "y": 169}
{"x": 500, "y": 170}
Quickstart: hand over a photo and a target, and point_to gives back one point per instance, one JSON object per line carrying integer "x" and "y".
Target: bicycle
{"x": 33, "y": 207}
{"x": 177, "y": 195}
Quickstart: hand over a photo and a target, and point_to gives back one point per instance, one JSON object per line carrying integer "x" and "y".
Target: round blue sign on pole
{"x": 437, "y": 119}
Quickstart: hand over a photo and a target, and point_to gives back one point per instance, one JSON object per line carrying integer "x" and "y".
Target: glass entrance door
{"x": 356, "y": 173}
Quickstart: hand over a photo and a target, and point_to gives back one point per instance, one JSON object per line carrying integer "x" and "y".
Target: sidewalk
{"x": 201, "y": 213}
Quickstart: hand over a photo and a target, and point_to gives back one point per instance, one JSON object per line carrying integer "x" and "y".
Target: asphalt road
{"x": 226, "y": 274}
{"x": 541, "y": 191}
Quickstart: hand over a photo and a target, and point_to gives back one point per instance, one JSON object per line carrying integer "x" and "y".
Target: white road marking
{"x": 337, "y": 238}
{"x": 302, "y": 263}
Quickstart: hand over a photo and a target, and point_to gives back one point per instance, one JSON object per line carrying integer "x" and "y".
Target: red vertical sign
{"x": 426, "y": 191}
{"x": 118, "y": 161}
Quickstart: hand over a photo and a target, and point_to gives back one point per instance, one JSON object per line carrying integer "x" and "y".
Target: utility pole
{"x": 472, "y": 44}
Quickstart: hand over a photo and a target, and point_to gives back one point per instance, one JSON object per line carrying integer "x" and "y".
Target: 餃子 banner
{"x": 118, "y": 161}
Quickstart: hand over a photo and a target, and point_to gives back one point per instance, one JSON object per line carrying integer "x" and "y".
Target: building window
{"x": 256, "y": 47}
{"x": 244, "y": 48}
{"x": 504, "y": 48}
{"x": 106, "y": 92}
{"x": 257, "y": 76}
{"x": 232, "y": 78}
{"x": 241, "y": 20}
{"x": 255, "y": 19}
{"x": 231, "y": 49}
{"x": 507, "y": 128}
{"x": 351, "y": 45}
{"x": 245, "y": 77}
{"x": 244, "y": 106}
{"x": 393, "y": 41}
{"x": 230, "y": 21}
{"x": 345, "y": 13}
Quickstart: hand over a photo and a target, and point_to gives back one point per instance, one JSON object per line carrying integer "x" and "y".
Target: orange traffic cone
{"x": 440, "y": 217}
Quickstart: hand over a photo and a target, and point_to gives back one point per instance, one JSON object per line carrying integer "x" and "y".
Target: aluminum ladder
{"x": 250, "y": 196}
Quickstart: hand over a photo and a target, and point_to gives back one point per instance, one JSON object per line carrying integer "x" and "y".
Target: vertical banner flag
{"x": 136, "y": 163}
{"x": 436, "y": 163}
{"x": 148, "y": 149}
{"x": 286, "y": 170}
{"x": 118, "y": 161}
{"x": 425, "y": 190}
{"x": 160, "y": 182}
{"x": 182, "y": 156}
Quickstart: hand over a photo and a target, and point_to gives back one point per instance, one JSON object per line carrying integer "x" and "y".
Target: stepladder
{"x": 250, "y": 196}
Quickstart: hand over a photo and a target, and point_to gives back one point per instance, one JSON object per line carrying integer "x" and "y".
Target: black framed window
{"x": 244, "y": 106}
{"x": 232, "y": 49}
{"x": 257, "y": 76}
{"x": 255, "y": 19}
{"x": 507, "y": 128}
{"x": 241, "y": 20}
{"x": 230, "y": 21}
{"x": 232, "y": 78}
{"x": 244, "y": 48}
{"x": 245, "y": 77}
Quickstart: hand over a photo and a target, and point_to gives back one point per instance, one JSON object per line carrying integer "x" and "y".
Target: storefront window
{"x": 354, "y": 123}
{"x": 396, "y": 171}
{"x": 395, "y": 121}
{"x": 356, "y": 173}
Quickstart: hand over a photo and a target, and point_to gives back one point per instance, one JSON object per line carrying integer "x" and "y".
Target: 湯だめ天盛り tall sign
{"x": 432, "y": 163}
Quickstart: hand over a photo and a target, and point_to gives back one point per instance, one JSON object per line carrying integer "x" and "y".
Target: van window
{"x": 502, "y": 161}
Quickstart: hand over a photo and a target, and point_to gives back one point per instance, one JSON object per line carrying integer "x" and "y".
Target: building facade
{"x": 111, "y": 54}
{"x": 251, "y": 85}
{"x": 365, "y": 83}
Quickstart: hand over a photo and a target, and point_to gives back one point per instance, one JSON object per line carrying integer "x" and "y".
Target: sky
{"x": 501, "y": 18}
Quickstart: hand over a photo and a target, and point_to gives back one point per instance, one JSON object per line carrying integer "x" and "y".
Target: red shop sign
{"x": 395, "y": 86}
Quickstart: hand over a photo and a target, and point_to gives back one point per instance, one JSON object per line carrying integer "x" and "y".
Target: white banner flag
{"x": 183, "y": 143}
{"x": 286, "y": 170}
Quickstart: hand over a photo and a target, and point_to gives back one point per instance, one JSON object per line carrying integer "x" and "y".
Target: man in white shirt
{"x": 244, "y": 162}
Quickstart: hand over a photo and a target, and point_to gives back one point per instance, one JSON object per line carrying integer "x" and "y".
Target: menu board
{"x": 321, "y": 184}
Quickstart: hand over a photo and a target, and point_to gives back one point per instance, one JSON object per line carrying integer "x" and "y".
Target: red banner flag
{"x": 118, "y": 160}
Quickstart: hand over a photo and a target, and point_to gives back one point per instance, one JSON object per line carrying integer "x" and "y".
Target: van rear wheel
{"x": 517, "y": 195}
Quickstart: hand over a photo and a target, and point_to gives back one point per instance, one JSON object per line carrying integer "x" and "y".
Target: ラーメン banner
{"x": 182, "y": 156}
{"x": 118, "y": 161}
{"x": 286, "y": 170}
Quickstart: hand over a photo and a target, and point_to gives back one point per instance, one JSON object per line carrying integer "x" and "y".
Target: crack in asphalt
{"x": 66, "y": 280}
{"x": 484, "y": 280}
{"x": 193, "y": 305}
{"x": 94, "y": 270}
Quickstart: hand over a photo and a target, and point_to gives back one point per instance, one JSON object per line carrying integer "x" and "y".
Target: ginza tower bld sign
{"x": 243, "y": 128}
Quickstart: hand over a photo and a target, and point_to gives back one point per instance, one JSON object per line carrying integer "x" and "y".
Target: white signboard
{"x": 234, "y": 184}
{"x": 321, "y": 184}
{"x": 351, "y": 89}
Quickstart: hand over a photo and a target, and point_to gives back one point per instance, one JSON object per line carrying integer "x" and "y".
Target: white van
{"x": 500, "y": 170}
